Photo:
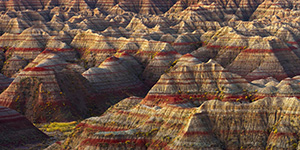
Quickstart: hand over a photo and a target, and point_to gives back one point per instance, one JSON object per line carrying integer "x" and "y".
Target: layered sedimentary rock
{"x": 13, "y": 65}
{"x": 192, "y": 80}
{"x": 287, "y": 87}
{"x": 73, "y": 59}
{"x": 279, "y": 8}
{"x": 160, "y": 63}
{"x": 4, "y": 82}
{"x": 179, "y": 113}
{"x": 49, "y": 89}
{"x": 63, "y": 27}
{"x": 117, "y": 78}
{"x": 269, "y": 56}
{"x": 266, "y": 123}
{"x": 16, "y": 130}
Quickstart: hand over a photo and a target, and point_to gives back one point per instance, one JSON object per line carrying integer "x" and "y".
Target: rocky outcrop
{"x": 4, "y": 82}
{"x": 13, "y": 65}
{"x": 183, "y": 110}
{"x": 74, "y": 59}
{"x": 269, "y": 56}
{"x": 92, "y": 31}
{"x": 117, "y": 78}
{"x": 193, "y": 81}
{"x": 266, "y": 123}
{"x": 49, "y": 89}
{"x": 16, "y": 130}
{"x": 160, "y": 63}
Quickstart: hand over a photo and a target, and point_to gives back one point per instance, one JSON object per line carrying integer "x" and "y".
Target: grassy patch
{"x": 57, "y": 131}
{"x": 64, "y": 127}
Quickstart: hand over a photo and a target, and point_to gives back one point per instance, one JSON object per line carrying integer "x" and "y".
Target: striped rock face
{"x": 269, "y": 56}
{"x": 43, "y": 91}
{"x": 266, "y": 123}
{"x": 13, "y": 65}
{"x": 192, "y": 80}
{"x": 16, "y": 130}
{"x": 198, "y": 74}
{"x": 179, "y": 113}
{"x": 117, "y": 78}
{"x": 4, "y": 82}
{"x": 93, "y": 30}
{"x": 161, "y": 62}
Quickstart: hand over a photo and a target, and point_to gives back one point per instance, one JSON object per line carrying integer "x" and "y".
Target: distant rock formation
{"x": 269, "y": 56}
{"x": 198, "y": 74}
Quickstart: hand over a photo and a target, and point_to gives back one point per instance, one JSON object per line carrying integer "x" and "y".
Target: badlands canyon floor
{"x": 149, "y": 74}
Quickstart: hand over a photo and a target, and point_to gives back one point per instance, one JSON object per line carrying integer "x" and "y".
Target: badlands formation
{"x": 151, "y": 74}
{"x": 15, "y": 129}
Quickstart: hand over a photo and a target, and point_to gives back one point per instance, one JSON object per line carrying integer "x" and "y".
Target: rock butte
{"x": 195, "y": 74}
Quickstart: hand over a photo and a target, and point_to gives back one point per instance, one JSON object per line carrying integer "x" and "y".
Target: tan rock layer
{"x": 267, "y": 123}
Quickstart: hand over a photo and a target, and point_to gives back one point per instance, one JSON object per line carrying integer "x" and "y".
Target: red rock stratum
{"x": 169, "y": 74}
